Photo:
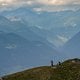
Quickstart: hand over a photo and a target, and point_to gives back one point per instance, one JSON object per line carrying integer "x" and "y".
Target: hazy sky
{"x": 45, "y": 5}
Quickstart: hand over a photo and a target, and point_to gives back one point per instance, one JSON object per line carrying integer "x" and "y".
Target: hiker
{"x": 59, "y": 63}
{"x": 51, "y": 63}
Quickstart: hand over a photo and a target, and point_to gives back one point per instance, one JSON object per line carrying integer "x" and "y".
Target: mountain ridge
{"x": 66, "y": 70}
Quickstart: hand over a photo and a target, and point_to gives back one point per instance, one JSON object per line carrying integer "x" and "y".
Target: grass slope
{"x": 68, "y": 70}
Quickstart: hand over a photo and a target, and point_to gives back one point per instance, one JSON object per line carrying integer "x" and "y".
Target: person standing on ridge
{"x": 51, "y": 63}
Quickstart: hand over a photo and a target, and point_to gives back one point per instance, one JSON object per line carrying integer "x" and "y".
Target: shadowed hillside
{"x": 72, "y": 47}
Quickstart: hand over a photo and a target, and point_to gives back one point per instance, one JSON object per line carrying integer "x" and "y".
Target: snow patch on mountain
{"x": 11, "y": 46}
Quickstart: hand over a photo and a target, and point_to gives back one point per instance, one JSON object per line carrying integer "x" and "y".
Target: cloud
{"x": 45, "y": 5}
{"x": 11, "y": 46}
{"x": 43, "y": 2}
{"x": 53, "y": 2}
{"x": 38, "y": 9}
{"x": 58, "y": 2}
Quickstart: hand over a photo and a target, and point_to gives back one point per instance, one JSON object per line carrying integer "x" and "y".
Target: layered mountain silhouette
{"x": 17, "y": 27}
{"x": 18, "y": 53}
{"x": 50, "y": 23}
{"x": 22, "y": 29}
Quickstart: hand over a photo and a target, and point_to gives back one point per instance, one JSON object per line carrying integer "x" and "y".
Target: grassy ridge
{"x": 68, "y": 70}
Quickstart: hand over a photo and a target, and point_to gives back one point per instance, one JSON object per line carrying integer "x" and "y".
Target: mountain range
{"x": 50, "y": 25}
{"x": 29, "y": 38}
{"x": 17, "y": 53}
